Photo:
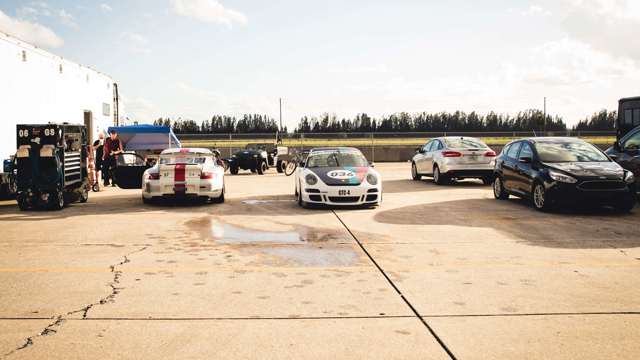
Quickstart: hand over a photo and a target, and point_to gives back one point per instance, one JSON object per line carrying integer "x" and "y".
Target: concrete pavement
{"x": 433, "y": 273}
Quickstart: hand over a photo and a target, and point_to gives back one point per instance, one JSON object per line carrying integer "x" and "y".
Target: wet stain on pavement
{"x": 301, "y": 246}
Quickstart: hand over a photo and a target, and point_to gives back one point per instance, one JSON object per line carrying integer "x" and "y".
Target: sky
{"x": 195, "y": 58}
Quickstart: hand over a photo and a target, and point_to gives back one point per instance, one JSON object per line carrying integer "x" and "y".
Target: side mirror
{"x": 616, "y": 146}
{"x": 525, "y": 160}
{"x": 301, "y": 164}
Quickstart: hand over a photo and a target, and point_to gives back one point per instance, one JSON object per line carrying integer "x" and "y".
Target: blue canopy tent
{"x": 146, "y": 137}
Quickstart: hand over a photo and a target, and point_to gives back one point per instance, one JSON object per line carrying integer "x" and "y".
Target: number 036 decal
{"x": 341, "y": 174}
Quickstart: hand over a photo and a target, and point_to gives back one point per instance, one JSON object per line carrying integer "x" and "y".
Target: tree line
{"x": 459, "y": 121}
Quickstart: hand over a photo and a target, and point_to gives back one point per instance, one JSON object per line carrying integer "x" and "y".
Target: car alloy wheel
{"x": 437, "y": 176}
{"x": 540, "y": 200}
{"x": 414, "y": 172}
{"x": 498, "y": 190}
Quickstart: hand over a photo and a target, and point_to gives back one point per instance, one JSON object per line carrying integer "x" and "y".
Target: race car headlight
{"x": 311, "y": 179}
{"x": 629, "y": 178}
{"x": 560, "y": 177}
{"x": 372, "y": 179}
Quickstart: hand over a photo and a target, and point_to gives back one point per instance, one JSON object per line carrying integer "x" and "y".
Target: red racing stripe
{"x": 179, "y": 173}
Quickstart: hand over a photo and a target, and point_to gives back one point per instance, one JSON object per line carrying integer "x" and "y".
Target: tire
{"x": 234, "y": 170}
{"x": 84, "y": 194}
{"x": 219, "y": 199}
{"x": 146, "y": 201}
{"x": 303, "y": 204}
{"x": 626, "y": 206}
{"x": 539, "y": 198}
{"x": 262, "y": 168}
{"x": 23, "y": 205}
{"x": 438, "y": 178}
{"x": 96, "y": 187}
{"x": 291, "y": 168}
{"x": 56, "y": 201}
{"x": 414, "y": 172}
{"x": 281, "y": 166}
{"x": 499, "y": 192}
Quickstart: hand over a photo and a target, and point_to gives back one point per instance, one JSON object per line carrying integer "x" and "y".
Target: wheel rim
{"x": 497, "y": 187}
{"x": 538, "y": 196}
{"x": 436, "y": 175}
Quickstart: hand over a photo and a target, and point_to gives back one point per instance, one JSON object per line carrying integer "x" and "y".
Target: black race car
{"x": 256, "y": 160}
{"x": 555, "y": 171}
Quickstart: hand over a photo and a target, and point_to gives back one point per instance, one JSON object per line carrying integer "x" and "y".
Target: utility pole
{"x": 280, "y": 114}
{"x": 545, "y": 116}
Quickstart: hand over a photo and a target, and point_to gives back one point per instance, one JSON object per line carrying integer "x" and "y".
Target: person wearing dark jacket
{"x": 112, "y": 148}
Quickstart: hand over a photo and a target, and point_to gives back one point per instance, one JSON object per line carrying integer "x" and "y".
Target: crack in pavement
{"x": 52, "y": 328}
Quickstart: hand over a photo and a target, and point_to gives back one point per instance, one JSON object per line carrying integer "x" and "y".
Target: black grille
{"x": 315, "y": 197}
{"x": 602, "y": 185}
{"x": 344, "y": 199}
{"x": 372, "y": 191}
{"x": 372, "y": 198}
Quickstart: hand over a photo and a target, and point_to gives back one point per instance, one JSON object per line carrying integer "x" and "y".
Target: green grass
{"x": 596, "y": 140}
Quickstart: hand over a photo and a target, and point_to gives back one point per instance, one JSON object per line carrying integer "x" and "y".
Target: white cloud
{"x": 35, "y": 10}
{"x": 137, "y": 43}
{"x": 66, "y": 18}
{"x": 210, "y": 11}
{"x": 30, "y": 32}
{"x": 105, "y": 7}
{"x": 141, "y": 110}
{"x": 611, "y": 26}
{"x": 536, "y": 10}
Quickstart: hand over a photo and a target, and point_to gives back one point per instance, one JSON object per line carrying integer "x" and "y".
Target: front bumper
{"x": 343, "y": 195}
{"x": 570, "y": 194}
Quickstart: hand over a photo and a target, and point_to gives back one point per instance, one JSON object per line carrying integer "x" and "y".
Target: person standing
{"x": 112, "y": 149}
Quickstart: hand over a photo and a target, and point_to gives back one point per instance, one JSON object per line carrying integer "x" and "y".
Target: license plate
{"x": 344, "y": 192}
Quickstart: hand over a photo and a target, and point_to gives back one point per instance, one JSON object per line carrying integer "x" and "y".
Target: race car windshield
{"x": 465, "y": 143}
{"x": 557, "y": 152}
{"x": 182, "y": 159}
{"x": 336, "y": 159}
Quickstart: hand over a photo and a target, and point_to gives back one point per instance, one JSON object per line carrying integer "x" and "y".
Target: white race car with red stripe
{"x": 186, "y": 173}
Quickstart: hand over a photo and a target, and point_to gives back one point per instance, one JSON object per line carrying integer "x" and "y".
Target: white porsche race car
{"x": 185, "y": 174}
{"x": 337, "y": 176}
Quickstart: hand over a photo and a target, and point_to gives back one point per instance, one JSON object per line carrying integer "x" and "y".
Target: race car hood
{"x": 608, "y": 170}
{"x": 341, "y": 175}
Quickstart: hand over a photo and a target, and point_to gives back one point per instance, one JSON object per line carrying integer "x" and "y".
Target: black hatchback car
{"x": 562, "y": 171}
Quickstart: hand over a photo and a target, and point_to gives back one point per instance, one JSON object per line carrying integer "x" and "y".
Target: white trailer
{"x": 38, "y": 87}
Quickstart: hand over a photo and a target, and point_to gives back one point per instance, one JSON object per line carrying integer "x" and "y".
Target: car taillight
{"x": 206, "y": 176}
{"x": 490, "y": 153}
{"x": 451, "y": 154}
{"x": 154, "y": 176}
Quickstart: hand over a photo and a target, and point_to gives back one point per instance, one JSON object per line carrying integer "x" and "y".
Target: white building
{"x": 38, "y": 87}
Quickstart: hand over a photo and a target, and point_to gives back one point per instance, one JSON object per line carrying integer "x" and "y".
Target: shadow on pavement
{"x": 408, "y": 186}
{"x": 581, "y": 228}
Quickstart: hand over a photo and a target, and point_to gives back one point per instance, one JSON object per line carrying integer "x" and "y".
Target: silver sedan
{"x": 448, "y": 158}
